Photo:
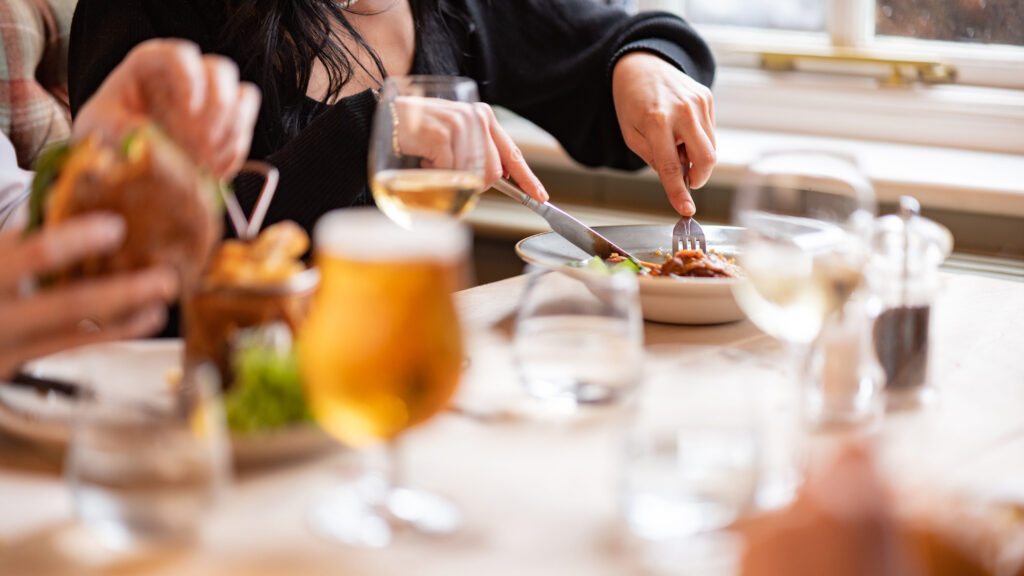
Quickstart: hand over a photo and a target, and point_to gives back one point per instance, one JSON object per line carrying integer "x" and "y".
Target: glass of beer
{"x": 427, "y": 148}
{"x": 381, "y": 352}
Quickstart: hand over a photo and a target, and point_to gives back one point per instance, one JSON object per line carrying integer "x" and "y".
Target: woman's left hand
{"x": 668, "y": 119}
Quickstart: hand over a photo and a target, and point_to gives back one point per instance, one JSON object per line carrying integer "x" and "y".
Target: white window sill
{"x": 940, "y": 178}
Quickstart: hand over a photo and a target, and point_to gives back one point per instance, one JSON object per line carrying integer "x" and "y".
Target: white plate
{"x": 137, "y": 368}
{"x": 663, "y": 299}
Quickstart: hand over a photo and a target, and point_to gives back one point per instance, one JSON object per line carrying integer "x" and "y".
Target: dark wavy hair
{"x": 275, "y": 43}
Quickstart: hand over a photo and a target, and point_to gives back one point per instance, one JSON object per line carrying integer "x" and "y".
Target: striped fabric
{"x": 33, "y": 74}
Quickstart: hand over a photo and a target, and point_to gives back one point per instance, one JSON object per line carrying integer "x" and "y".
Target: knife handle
{"x": 510, "y": 189}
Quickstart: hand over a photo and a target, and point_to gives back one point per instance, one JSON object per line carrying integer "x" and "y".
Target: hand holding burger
{"x": 128, "y": 210}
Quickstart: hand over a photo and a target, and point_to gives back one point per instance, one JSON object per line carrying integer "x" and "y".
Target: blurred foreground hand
{"x": 40, "y": 322}
{"x": 196, "y": 99}
{"x": 840, "y": 525}
{"x": 844, "y": 523}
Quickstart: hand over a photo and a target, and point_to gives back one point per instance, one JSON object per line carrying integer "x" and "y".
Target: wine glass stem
{"x": 787, "y": 472}
{"x": 798, "y": 356}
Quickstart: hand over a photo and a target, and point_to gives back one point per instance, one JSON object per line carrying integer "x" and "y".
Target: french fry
{"x": 271, "y": 258}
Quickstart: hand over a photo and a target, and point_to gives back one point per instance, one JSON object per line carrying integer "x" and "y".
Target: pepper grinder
{"x": 903, "y": 275}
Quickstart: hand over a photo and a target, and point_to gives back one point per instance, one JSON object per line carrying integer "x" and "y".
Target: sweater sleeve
{"x": 551, "y": 62}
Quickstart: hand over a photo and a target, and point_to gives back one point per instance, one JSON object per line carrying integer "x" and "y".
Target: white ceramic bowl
{"x": 663, "y": 299}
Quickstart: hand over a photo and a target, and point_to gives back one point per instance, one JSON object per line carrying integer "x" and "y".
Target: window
{"x": 970, "y": 21}
{"x": 934, "y": 72}
{"x": 967, "y": 21}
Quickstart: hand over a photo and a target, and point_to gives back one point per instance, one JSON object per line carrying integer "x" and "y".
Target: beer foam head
{"x": 366, "y": 234}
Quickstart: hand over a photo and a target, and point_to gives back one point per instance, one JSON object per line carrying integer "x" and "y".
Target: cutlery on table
{"x": 46, "y": 385}
{"x": 566, "y": 226}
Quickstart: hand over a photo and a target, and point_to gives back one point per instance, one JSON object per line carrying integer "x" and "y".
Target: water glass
{"x": 144, "y": 471}
{"x": 579, "y": 337}
{"x": 693, "y": 452}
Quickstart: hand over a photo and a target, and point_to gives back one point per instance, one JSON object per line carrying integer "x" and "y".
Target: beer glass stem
{"x": 381, "y": 475}
{"x": 370, "y": 511}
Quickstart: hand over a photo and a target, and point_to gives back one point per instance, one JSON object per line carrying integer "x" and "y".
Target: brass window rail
{"x": 893, "y": 71}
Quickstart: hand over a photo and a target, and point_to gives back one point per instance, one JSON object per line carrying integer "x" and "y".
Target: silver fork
{"x": 688, "y": 235}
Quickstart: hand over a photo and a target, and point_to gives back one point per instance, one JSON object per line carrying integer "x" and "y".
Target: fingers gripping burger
{"x": 171, "y": 207}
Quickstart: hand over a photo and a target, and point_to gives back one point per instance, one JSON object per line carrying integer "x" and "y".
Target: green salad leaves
{"x": 599, "y": 266}
{"x": 267, "y": 391}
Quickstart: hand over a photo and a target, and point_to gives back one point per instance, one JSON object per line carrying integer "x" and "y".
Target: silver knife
{"x": 581, "y": 235}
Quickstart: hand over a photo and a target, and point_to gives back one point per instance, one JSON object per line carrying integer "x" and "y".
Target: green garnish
{"x": 47, "y": 168}
{"x": 267, "y": 392}
{"x": 599, "y": 266}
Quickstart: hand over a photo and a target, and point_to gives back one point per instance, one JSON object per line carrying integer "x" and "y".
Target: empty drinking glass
{"x": 144, "y": 470}
{"x": 579, "y": 337}
{"x": 694, "y": 448}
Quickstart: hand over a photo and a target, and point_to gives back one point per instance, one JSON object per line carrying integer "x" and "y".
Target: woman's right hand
{"x": 37, "y": 323}
{"x": 439, "y": 136}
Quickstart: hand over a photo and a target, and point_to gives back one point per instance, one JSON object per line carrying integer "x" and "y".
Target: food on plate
{"x": 698, "y": 264}
{"x": 171, "y": 207}
{"x": 684, "y": 263}
{"x": 248, "y": 285}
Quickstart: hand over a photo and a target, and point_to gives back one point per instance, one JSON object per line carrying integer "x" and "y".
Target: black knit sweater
{"x": 548, "y": 60}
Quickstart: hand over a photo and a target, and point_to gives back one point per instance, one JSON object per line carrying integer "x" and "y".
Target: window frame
{"x": 982, "y": 110}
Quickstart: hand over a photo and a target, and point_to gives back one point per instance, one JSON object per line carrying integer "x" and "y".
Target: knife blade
{"x": 565, "y": 225}
{"x": 46, "y": 385}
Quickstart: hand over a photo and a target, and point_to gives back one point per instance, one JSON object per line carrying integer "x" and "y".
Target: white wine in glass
{"x": 806, "y": 219}
{"x": 403, "y": 193}
{"x": 792, "y": 287}
{"x": 381, "y": 352}
{"x": 427, "y": 148}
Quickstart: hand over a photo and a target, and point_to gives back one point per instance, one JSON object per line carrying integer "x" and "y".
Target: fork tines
{"x": 688, "y": 235}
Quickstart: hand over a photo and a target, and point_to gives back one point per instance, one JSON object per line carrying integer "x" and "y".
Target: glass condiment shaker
{"x": 903, "y": 276}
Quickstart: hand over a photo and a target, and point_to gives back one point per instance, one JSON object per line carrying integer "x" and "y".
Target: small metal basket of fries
{"x": 248, "y": 285}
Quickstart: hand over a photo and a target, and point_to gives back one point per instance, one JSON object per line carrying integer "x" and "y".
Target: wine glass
{"x": 807, "y": 218}
{"x": 381, "y": 352}
{"x": 427, "y": 148}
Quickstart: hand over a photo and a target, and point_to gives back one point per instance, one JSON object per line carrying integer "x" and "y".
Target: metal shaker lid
{"x": 908, "y": 244}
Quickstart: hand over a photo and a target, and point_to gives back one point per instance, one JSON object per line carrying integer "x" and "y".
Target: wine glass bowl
{"x": 806, "y": 218}
{"x": 427, "y": 148}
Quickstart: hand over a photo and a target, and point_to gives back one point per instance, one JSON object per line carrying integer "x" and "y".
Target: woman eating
{"x": 615, "y": 90}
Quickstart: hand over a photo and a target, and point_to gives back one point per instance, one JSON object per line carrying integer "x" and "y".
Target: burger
{"x": 171, "y": 207}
